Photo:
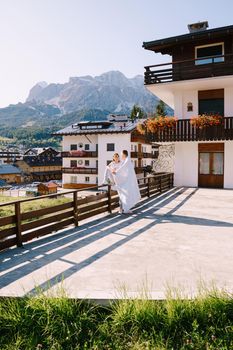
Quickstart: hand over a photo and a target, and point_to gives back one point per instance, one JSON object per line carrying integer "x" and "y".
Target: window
{"x": 73, "y": 147}
{"x": 131, "y": 147}
{"x": 209, "y": 53}
{"x": 211, "y": 102}
{"x": 211, "y": 106}
{"x": 218, "y": 159}
{"x": 73, "y": 163}
{"x": 108, "y": 162}
{"x": 87, "y": 179}
{"x": 135, "y": 148}
{"x": 73, "y": 179}
{"x": 87, "y": 147}
{"x": 110, "y": 147}
{"x": 87, "y": 162}
{"x": 204, "y": 163}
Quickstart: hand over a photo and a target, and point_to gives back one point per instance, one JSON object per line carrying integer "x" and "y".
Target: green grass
{"x": 29, "y": 206}
{"x": 6, "y": 139}
{"x": 41, "y": 322}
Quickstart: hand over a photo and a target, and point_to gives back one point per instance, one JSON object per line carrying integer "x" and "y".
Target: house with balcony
{"x": 8, "y": 156}
{"x": 198, "y": 84}
{"x": 41, "y": 164}
{"x": 88, "y": 147}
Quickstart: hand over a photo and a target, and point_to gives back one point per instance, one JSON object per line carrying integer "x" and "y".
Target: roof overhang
{"x": 164, "y": 45}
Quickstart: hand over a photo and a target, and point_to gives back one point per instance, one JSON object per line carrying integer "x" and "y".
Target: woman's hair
{"x": 125, "y": 152}
{"x": 115, "y": 155}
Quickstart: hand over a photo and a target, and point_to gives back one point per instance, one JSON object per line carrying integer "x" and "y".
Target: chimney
{"x": 198, "y": 27}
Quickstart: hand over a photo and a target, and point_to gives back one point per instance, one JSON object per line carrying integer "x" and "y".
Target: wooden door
{"x": 211, "y": 165}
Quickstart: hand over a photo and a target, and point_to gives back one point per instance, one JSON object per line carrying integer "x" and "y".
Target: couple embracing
{"x": 120, "y": 173}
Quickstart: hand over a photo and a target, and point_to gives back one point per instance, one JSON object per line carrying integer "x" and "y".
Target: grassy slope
{"x": 62, "y": 324}
{"x": 28, "y": 206}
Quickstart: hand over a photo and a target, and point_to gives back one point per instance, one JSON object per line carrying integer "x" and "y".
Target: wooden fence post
{"x": 170, "y": 180}
{"x": 18, "y": 225}
{"x": 148, "y": 187}
{"x": 109, "y": 199}
{"x": 75, "y": 198}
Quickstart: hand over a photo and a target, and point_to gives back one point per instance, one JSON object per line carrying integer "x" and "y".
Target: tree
{"x": 160, "y": 109}
{"x": 136, "y": 112}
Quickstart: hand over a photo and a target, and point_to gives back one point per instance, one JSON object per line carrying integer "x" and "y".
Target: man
{"x": 126, "y": 183}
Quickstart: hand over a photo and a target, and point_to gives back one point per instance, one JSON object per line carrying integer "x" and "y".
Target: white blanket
{"x": 127, "y": 185}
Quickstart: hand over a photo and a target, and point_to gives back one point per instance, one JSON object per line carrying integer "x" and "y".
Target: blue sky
{"x": 52, "y": 40}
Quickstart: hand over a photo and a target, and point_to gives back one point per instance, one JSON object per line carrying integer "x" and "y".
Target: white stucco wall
{"x": 92, "y": 162}
{"x": 228, "y": 103}
{"x": 182, "y": 98}
{"x": 186, "y": 164}
{"x": 121, "y": 141}
{"x": 228, "y": 164}
{"x": 76, "y": 139}
{"x": 66, "y": 179}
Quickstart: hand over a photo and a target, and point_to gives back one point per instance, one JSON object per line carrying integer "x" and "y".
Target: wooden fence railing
{"x": 22, "y": 226}
{"x": 184, "y": 131}
{"x": 189, "y": 69}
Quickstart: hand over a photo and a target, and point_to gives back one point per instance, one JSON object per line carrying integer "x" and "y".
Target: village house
{"x": 41, "y": 164}
{"x": 88, "y": 147}
{"x": 198, "y": 85}
{"x": 10, "y": 174}
{"x": 47, "y": 188}
{"x": 9, "y": 156}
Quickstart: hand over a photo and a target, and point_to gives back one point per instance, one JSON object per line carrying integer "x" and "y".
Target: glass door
{"x": 211, "y": 168}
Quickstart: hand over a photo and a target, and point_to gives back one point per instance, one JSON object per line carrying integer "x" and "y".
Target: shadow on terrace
{"x": 17, "y": 263}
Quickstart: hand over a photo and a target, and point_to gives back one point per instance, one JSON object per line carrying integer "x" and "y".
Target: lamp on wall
{"x": 189, "y": 107}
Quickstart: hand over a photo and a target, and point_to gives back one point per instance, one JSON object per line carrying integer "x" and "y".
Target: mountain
{"x": 27, "y": 114}
{"x": 50, "y": 107}
{"x": 110, "y": 91}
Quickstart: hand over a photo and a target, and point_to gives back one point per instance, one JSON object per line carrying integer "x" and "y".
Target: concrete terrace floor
{"x": 178, "y": 239}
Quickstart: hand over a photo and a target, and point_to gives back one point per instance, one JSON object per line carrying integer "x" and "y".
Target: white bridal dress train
{"x": 127, "y": 185}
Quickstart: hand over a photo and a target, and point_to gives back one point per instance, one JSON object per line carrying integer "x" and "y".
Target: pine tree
{"x": 136, "y": 112}
{"x": 160, "y": 109}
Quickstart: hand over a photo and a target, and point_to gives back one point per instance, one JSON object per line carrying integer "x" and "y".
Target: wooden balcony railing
{"x": 79, "y": 154}
{"x": 18, "y": 226}
{"x": 144, "y": 155}
{"x": 184, "y": 131}
{"x": 189, "y": 69}
{"x": 67, "y": 170}
{"x": 139, "y": 170}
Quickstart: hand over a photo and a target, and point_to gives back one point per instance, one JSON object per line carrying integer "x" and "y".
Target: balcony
{"x": 79, "y": 154}
{"x": 184, "y": 131}
{"x": 144, "y": 155}
{"x": 80, "y": 171}
{"x": 188, "y": 69}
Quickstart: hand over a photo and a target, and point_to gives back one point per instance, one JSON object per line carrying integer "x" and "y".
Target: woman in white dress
{"x": 109, "y": 177}
{"x": 126, "y": 183}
